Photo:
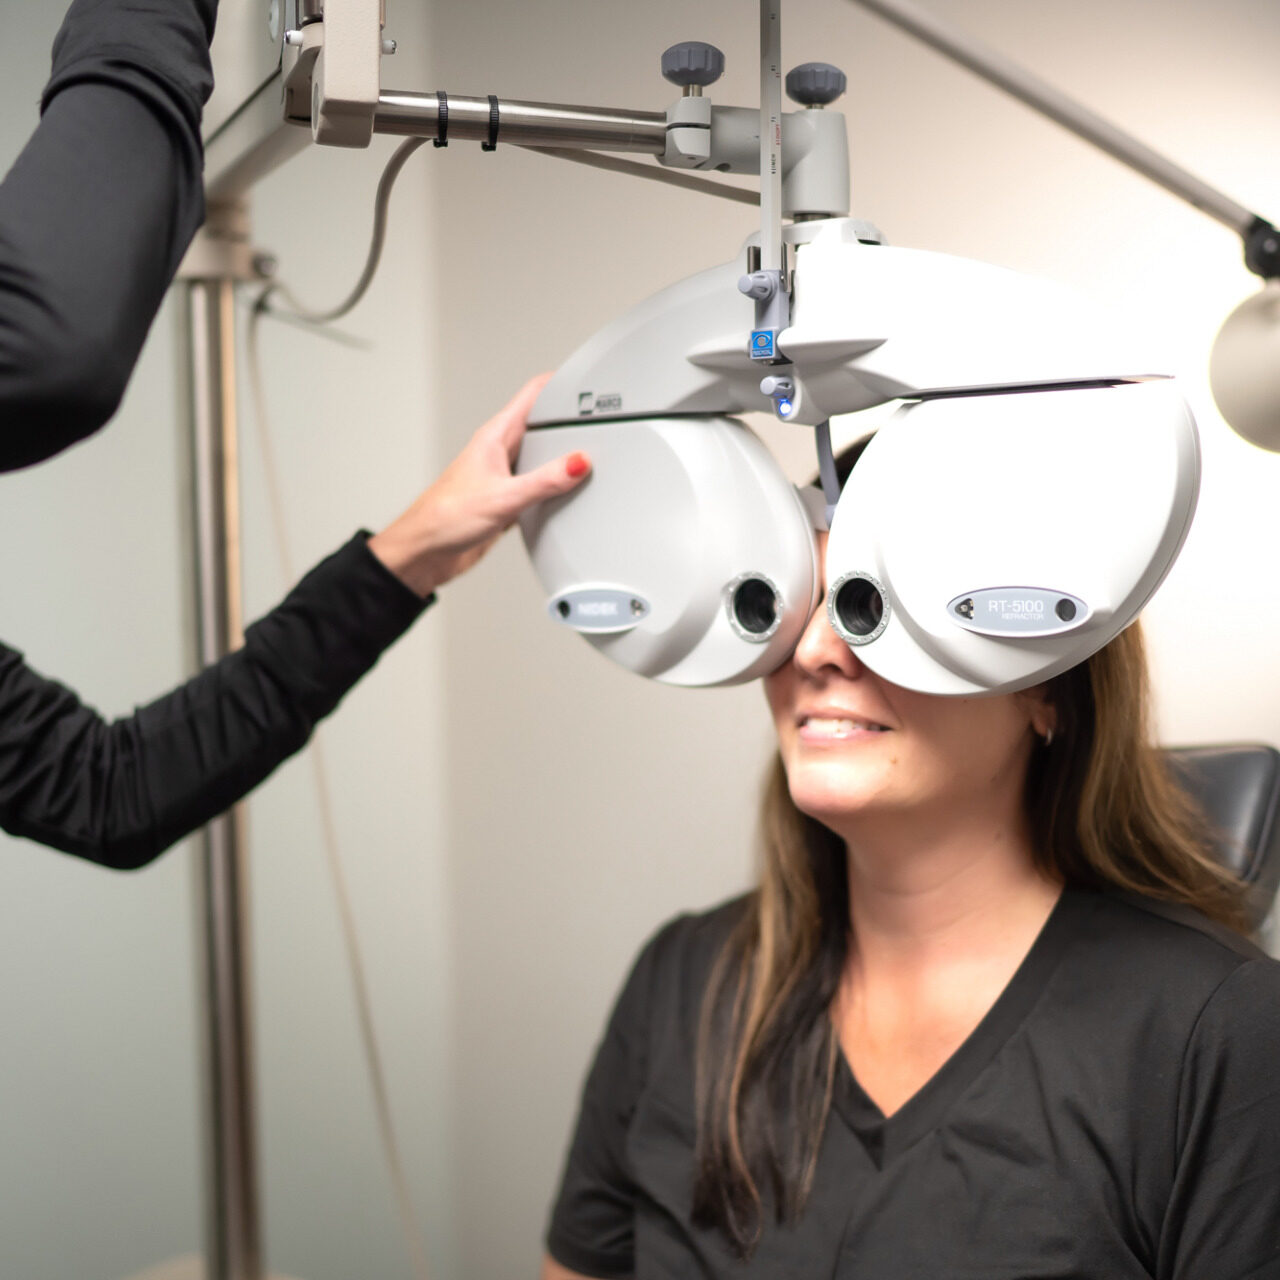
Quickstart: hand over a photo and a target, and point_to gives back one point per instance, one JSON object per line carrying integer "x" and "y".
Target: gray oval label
{"x": 1018, "y": 611}
{"x": 599, "y": 610}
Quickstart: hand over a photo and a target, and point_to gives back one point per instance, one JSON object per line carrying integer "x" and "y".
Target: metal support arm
{"x": 526, "y": 124}
{"x": 1261, "y": 240}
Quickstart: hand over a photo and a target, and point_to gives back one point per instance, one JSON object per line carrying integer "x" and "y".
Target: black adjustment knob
{"x": 693, "y": 63}
{"x": 814, "y": 84}
{"x": 1262, "y": 249}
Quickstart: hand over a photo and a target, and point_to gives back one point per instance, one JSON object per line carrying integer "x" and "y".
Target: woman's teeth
{"x": 817, "y": 726}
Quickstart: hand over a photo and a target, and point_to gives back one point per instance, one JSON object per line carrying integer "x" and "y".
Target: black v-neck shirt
{"x": 1115, "y": 1115}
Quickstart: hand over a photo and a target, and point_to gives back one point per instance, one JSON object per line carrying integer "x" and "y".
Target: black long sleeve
{"x": 96, "y": 214}
{"x": 120, "y": 793}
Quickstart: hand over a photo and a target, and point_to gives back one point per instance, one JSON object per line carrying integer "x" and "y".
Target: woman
{"x": 987, "y": 1014}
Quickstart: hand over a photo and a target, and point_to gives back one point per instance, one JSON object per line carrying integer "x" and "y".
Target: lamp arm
{"x": 1261, "y": 239}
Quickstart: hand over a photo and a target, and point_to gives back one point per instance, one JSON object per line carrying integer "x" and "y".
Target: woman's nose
{"x": 821, "y": 650}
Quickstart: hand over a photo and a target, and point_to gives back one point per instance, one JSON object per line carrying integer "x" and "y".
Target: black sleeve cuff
{"x": 388, "y": 607}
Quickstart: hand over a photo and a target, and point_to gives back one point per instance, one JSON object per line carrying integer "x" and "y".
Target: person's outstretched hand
{"x": 476, "y": 497}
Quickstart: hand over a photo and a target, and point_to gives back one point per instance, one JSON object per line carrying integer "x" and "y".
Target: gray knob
{"x": 693, "y": 63}
{"x": 775, "y": 386}
{"x": 814, "y": 84}
{"x": 758, "y": 285}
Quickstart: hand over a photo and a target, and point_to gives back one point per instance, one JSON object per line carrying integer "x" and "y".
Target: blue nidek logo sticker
{"x": 762, "y": 344}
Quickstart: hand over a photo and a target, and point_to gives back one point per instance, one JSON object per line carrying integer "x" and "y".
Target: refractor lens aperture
{"x": 857, "y": 607}
{"x": 754, "y": 607}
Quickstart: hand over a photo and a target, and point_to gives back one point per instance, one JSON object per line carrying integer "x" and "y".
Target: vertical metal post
{"x": 771, "y": 135}
{"x": 233, "y": 1219}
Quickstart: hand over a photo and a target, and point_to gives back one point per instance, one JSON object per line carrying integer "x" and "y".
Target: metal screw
{"x": 637, "y": 608}
{"x": 265, "y": 265}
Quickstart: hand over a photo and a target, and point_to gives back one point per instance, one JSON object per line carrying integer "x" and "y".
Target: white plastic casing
{"x": 1086, "y": 493}
{"x": 870, "y": 323}
{"x": 675, "y": 512}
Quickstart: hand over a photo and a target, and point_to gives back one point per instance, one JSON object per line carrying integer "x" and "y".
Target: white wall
{"x": 516, "y": 815}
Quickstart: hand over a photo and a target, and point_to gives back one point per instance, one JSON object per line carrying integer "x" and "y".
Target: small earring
{"x": 1048, "y": 737}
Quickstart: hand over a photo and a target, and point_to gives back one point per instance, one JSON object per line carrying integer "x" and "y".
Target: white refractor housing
{"x": 1007, "y": 523}
{"x": 686, "y": 557}
{"x": 1009, "y": 537}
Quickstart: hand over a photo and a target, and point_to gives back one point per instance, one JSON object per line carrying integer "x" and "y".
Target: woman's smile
{"x": 833, "y": 727}
{"x": 855, "y": 746}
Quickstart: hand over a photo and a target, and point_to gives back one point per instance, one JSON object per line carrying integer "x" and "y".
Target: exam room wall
{"x": 588, "y": 806}
{"x": 100, "y": 1156}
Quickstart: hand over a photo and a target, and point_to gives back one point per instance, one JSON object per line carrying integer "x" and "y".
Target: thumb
{"x": 551, "y": 480}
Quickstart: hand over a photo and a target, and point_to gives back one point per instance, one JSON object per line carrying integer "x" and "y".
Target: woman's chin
{"x": 831, "y": 794}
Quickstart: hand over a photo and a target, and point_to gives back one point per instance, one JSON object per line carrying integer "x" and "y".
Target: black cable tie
{"x": 442, "y": 119}
{"x": 492, "y": 144}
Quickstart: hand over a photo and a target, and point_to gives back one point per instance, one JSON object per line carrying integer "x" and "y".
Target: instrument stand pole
{"x": 219, "y": 259}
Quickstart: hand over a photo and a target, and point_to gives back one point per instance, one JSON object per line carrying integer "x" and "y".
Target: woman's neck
{"x": 941, "y": 920}
{"x": 962, "y": 888}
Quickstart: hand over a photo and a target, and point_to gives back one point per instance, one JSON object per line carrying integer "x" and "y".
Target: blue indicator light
{"x": 784, "y": 407}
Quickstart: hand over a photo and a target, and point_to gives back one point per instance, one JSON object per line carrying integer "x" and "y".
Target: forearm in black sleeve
{"x": 120, "y": 793}
{"x": 96, "y": 214}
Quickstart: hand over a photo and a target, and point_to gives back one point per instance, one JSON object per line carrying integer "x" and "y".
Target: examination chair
{"x": 1238, "y": 788}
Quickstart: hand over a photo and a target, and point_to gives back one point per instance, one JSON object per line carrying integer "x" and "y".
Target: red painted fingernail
{"x": 577, "y": 465}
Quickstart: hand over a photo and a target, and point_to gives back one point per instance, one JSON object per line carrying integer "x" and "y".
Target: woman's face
{"x": 855, "y": 745}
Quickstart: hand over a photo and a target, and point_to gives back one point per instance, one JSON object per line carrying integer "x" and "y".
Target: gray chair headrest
{"x": 1238, "y": 789}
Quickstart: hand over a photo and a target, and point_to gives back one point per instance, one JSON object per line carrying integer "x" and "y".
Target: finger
{"x": 513, "y": 417}
{"x": 551, "y": 480}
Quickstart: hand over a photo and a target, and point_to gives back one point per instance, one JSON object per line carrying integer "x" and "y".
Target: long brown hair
{"x": 1104, "y": 811}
